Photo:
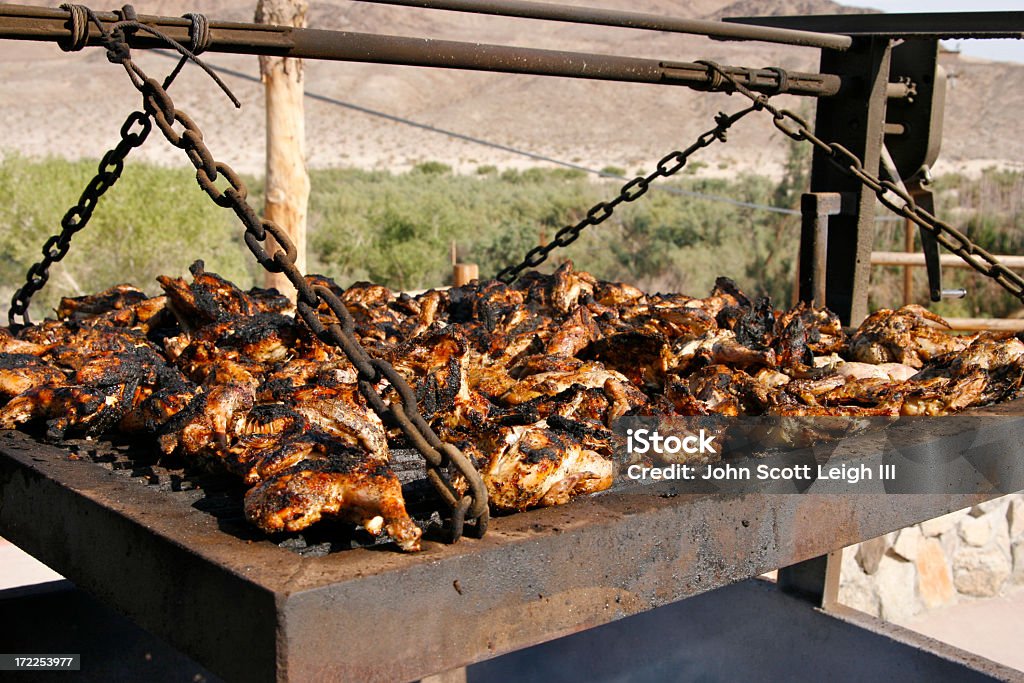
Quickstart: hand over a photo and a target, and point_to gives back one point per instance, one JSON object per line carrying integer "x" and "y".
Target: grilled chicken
{"x": 903, "y": 336}
{"x": 527, "y": 379}
{"x": 535, "y": 465}
{"x": 340, "y": 483}
{"x": 20, "y": 372}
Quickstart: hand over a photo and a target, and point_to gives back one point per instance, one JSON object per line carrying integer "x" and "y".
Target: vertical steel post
{"x": 855, "y": 118}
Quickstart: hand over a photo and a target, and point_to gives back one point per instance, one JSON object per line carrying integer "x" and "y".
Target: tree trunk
{"x": 287, "y": 195}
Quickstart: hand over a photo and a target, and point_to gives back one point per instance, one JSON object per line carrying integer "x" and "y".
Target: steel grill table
{"x": 250, "y": 610}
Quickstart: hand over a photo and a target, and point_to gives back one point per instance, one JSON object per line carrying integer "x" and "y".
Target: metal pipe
{"x": 30, "y": 23}
{"x": 929, "y": 25}
{"x": 525, "y": 9}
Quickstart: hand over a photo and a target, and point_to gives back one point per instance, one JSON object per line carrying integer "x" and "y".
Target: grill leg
{"x": 815, "y": 208}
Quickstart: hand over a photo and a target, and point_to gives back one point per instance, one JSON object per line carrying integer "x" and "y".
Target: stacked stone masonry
{"x": 965, "y": 555}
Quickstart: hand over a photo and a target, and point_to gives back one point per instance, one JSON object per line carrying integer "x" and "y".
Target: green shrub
{"x": 432, "y": 168}
{"x": 152, "y": 221}
{"x": 398, "y": 229}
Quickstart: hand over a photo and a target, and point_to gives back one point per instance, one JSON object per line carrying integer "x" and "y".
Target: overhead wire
{"x": 514, "y": 150}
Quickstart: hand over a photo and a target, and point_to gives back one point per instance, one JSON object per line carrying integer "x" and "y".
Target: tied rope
{"x": 115, "y": 40}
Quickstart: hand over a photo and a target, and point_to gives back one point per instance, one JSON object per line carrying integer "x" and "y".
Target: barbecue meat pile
{"x": 526, "y": 379}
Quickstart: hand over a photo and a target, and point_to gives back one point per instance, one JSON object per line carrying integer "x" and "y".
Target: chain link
{"x": 403, "y": 411}
{"x": 112, "y": 164}
{"x": 889, "y": 194}
{"x": 77, "y": 217}
{"x": 669, "y": 165}
{"x": 276, "y": 252}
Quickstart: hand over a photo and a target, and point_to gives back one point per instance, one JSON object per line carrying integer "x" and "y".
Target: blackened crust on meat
{"x": 16, "y": 361}
{"x": 538, "y": 446}
{"x": 754, "y": 326}
{"x": 577, "y": 429}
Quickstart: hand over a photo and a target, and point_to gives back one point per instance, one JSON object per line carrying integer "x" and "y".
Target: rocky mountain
{"x": 72, "y": 104}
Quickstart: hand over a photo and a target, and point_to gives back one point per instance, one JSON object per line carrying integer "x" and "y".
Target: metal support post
{"x": 855, "y": 119}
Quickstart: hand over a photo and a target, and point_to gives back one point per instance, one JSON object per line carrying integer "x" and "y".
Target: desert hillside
{"x": 72, "y": 104}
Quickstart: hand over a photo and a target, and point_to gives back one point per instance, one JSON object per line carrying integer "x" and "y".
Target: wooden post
{"x": 287, "y": 195}
{"x": 464, "y": 273}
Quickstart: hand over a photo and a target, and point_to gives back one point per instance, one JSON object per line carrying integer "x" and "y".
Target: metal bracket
{"x": 926, "y": 200}
{"x": 914, "y": 122}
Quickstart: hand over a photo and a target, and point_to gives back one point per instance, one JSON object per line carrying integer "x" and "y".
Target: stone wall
{"x": 973, "y": 553}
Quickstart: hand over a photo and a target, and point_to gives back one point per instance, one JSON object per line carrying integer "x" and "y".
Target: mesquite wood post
{"x": 287, "y": 193}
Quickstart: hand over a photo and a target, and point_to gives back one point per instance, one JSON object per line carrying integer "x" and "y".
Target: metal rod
{"x": 30, "y": 23}
{"x": 932, "y": 25}
{"x": 909, "y": 228}
{"x": 606, "y": 17}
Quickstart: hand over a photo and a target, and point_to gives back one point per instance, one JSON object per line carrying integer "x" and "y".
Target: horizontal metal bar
{"x": 932, "y": 25}
{"x": 903, "y": 258}
{"x": 525, "y": 9}
{"x": 50, "y": 25}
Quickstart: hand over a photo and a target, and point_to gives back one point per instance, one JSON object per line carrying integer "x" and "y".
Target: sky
{"x": 1005, "y": 50}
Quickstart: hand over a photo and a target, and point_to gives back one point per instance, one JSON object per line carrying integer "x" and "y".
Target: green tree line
{"x": 398, "y": 228}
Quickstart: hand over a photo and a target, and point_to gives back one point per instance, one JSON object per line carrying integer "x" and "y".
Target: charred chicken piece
{"x": 10, "y": 344}
{"x": 574, "y": 334}
{"x": 20, "y": 372}
{"x": 717, "y": 347}
{"x": 535, "y": 465}
{"x": 87, "y": 411}
{"x": 724, "y": 390}
{"x": 209, "y": 298}
{"x": 903, "y": 336}
{"x": 753, "y": 325}
{"x": 342, "y": 413}
{"x": 340, "y": 483}
{"x": 564, "y": 374}
{"x": 116, "y": 298}
{"x": 642, "y": 358}
{"x": 824, "y": 332}
{"x": 210, "y": 422}
{"x": 991, "y": 368}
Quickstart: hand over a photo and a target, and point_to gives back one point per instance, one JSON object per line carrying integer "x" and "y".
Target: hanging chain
{"x": 134, "y": 132}
{"x": 669, "y": 165}
{"x": 889, "y": 194}
{"x": 403, "y": 411}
